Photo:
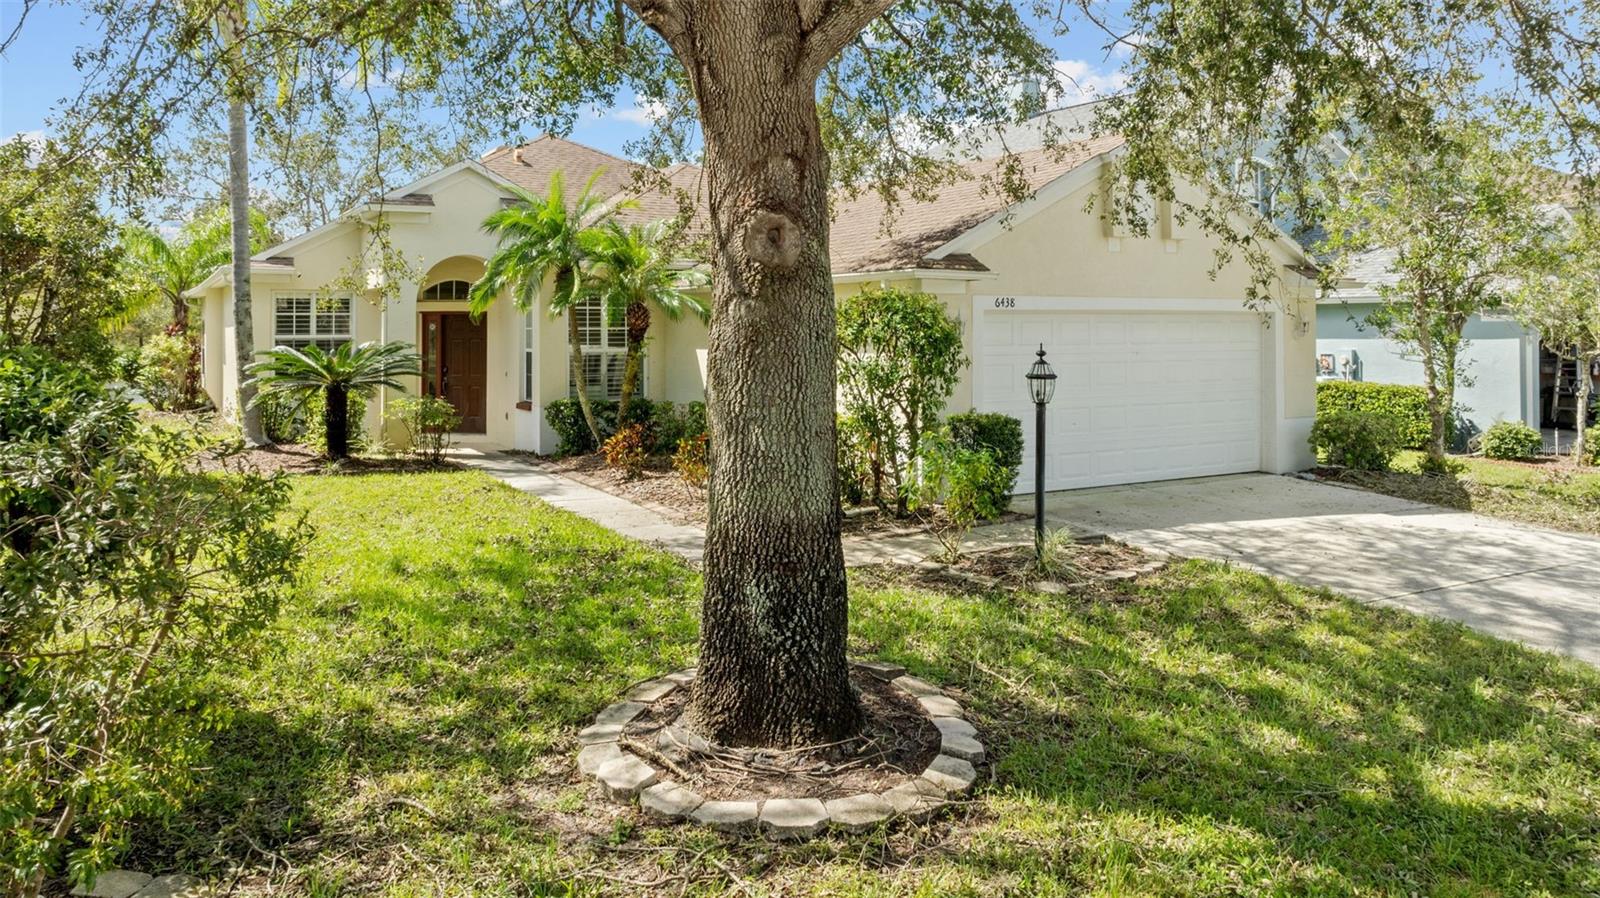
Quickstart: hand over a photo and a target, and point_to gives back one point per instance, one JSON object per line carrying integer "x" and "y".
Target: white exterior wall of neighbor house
{"x": 1500, "y": 361}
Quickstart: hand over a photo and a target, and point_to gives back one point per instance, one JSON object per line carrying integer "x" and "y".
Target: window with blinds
{"x": 301, "y": 321}
{"x": 604, "y": 350}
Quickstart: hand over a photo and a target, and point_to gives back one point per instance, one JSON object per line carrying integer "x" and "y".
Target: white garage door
{"x": 1140, "y": 396}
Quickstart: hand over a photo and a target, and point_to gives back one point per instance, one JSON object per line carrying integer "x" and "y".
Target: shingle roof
{"x": 866, "y": 234}
{"x": 860, "y": 240}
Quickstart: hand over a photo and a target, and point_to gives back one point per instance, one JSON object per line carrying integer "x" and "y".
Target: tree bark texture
{"x": 244, "y": 339}
{"x": 336, "y": 421}
{"x": 773, "y": 670}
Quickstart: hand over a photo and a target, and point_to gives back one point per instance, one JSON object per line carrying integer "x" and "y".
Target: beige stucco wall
{"x": 1058, "y": 251}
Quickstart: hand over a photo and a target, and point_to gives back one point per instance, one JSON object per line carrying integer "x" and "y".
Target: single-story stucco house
{"x": 1508, "y": 374}
{"x": 1163, "y": 371}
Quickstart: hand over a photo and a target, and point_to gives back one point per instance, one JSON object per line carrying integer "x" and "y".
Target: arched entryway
{"x": 455, "y": 348}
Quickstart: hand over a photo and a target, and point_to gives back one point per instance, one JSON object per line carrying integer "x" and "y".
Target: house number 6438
{"x": 1005, "y": 302}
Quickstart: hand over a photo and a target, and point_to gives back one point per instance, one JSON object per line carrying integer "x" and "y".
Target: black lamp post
{"x": 1042, "y": 386}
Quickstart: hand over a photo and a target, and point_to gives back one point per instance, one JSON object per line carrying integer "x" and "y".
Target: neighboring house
{"x": 1500, "y": 365}
{"x": 1163, "y": 372}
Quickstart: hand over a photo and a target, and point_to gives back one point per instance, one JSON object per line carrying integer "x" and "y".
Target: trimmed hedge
{"x": 1406, "y": 405}
{"x": 1365, "y": 441}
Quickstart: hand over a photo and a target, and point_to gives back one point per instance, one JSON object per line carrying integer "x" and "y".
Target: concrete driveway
{"x": 1516, "y": 581}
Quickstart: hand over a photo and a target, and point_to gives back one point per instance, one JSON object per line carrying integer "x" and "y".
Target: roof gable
{"x": 868, "y": 236}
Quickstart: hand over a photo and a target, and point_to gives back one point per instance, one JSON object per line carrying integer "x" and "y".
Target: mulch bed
{"x": 895, "y": 746}
{"x": 660, "y": 488}
{"x": 290, "y": 458}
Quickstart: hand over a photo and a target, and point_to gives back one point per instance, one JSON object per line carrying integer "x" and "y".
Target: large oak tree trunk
{"x": 772, "y": 646}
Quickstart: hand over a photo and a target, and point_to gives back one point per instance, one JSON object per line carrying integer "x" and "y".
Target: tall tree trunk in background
{"x": 1580, "y": 420}
{"x": 244, "y": 339}
{"x": 774, "y": 615}
{"x": 637, "y": 320}
{"x": 580, "y": 378}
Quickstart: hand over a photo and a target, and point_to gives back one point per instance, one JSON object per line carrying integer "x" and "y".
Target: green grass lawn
{"x": 1548, "y": 495}
{"x": 1207, "y": 732}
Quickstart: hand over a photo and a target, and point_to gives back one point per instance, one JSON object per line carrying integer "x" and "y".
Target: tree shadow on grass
{"x": 1242, "y": 735}
{"x": 424, "y": 694}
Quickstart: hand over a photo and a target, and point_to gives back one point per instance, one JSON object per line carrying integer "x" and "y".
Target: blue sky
{"x": 36, "y": 73}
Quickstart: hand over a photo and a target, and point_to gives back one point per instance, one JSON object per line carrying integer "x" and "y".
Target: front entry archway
{"x": 455, "y": 360}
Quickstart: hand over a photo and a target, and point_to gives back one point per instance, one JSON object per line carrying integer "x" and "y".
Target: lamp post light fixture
{"x": 1042, "y": 387}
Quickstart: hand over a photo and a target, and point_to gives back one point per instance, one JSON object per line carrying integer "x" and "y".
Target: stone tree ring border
{"x": 625, "y": 777}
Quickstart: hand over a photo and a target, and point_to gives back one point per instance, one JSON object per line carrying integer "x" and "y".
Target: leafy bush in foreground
{"x": 124, "y": 571}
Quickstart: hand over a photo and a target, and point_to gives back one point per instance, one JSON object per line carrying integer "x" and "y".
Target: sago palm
{"x": 300, "y": 374}
{"x": 543, "y": 237}
{"x": 632, "y": 269}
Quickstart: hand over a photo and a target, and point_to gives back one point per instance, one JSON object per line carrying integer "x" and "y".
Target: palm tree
{"x": 164, "y": 270}
{"x": 542, "y": 237}
{"x": 632, "y": 269}
{"x": 300, "y": 374}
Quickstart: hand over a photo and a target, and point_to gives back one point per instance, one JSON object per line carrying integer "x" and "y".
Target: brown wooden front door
{"x": 455, "y": 352}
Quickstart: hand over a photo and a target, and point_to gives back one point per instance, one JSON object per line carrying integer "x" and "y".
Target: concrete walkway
{"x": 1539, "y": 586}
{"x": 614, "y": 512}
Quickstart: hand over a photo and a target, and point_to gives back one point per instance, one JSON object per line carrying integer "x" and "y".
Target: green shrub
{"x": 692, "y": 461}
{"x": 1511, "y": 440}
{"x": 853, "y": 462}
{"x": 628, "y": 448}
{"x": 1366, "y": 441}
{"x": 1407, "y": 405}
{"x": 671, "y": 424}
{"x": 282, "y": 418}
{"x": 899, "y": 358}
{"x": 565, "y": 417}
{"x": 163, "y": 371}
{"x": 999, "y": 435}
{"x": 1591, "y": 449}
{"x": 125, "y": 572}
{"x": 428, "y": 422}
{"x": 963, "y": 483}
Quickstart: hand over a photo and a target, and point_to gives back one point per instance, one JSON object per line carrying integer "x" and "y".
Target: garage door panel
{"x": 1139, "y": 396}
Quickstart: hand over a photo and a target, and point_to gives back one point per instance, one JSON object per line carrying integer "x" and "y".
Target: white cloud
{"x": 1079, "y": 81}
{"x": 34, "y": 139}
{"x": 644, "y": 113}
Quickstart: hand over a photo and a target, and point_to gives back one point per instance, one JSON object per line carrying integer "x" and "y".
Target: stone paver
{"x": 652, "y": 690}
{"x": 115, "y": 884}
{"x": 1512, "y": 580}
{"x": 624, "y": 777}
{"x": 728, "y": 816}
{"x": 967, "y": 748}
{"x": 793, "y": 818}
{"x": 915, "y": 799}
{"x": 592, "y": 757}
{"x": 620, "y": 713}
{"x": 669, "y": 801}
{"x": 858, "y": 812}
{"x": 883, "y": 670}
{"x": 940, "y": 706}
{"x": 596, "y": 733}
{"x": 950, "y": 774}
{"x": 177, "y": 885}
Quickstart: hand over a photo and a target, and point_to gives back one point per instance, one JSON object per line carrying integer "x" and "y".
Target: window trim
{"x": 459, "y": 294}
